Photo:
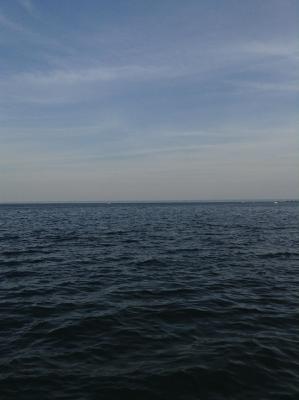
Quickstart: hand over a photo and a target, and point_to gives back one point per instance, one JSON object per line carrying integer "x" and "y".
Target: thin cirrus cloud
{"x": 96, "y": 95}
{"x": 29, "y": 7}
{"x": 34, "y": 86}
{"x": 96, "y": 74}
{"x": 9, "y": 24}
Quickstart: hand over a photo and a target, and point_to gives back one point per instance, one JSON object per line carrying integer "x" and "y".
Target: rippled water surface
{"x": 149, "y": 301}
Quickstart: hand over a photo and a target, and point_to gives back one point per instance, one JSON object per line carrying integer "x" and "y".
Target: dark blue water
{"x": 149, "y": 301}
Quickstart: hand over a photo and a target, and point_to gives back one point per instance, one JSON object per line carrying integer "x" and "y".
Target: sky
{"x": 148, "y": 100}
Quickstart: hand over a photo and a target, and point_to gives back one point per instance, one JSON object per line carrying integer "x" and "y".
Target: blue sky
{"x": 148, "y": 99}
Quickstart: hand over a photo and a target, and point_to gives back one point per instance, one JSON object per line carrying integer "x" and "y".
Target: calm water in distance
{"x": 149, "y": 301}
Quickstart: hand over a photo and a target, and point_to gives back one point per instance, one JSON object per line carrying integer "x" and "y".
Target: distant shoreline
{"x": 102, "y": 202}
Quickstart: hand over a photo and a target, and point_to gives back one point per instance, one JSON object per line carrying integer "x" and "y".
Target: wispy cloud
{"x": 28, "y": 6}
{"x": 72, "y": 83}
{"x": 269, "y": 48}
{"x": 98, "y": 74}
{"x": 8, "y": 23}
{"x": 262, "y": 86}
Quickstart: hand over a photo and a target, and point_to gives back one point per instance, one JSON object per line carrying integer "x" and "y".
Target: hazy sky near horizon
{"x": 148, "y": 99}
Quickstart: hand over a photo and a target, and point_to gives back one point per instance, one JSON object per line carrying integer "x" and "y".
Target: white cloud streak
{"x": 98, "y": 74}
{"x": 28, "y": 6}
{"x": 7, "y": 23}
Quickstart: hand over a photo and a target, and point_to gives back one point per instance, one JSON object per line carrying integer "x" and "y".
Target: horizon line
{"x": 148, "y": 201}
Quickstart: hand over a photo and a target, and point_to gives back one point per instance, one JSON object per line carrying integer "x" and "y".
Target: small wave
{"x": 16, "y": 253}
{"x": 182, "y": 250}
{"x": 278, "y": 254}
{"x": 18, "y": 273}
{"x": 153, "y": 262}
{"x": 10, "y": 263}
{"x": 9, "y": 237}
{"x": 115, "y": 233}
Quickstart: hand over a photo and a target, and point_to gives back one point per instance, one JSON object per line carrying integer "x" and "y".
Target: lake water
{"x": 149, "y": 301}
